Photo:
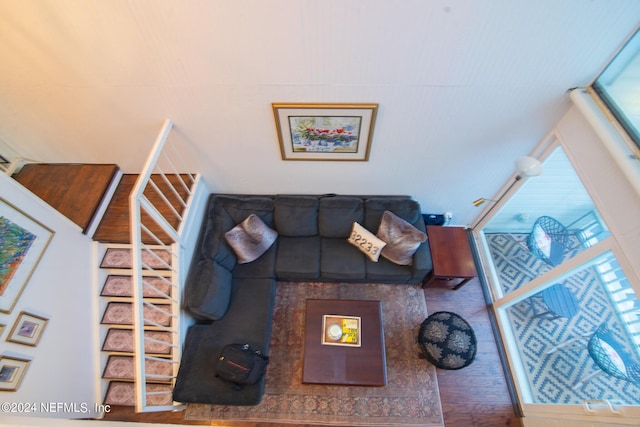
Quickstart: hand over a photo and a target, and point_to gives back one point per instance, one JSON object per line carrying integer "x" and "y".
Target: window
{"x": 619, "y": 87}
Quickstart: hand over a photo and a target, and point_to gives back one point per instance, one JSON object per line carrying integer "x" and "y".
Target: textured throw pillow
{"x": 402, "y": 238}
{"x": 366, "y": 241}
{"x": 250, "y": 239}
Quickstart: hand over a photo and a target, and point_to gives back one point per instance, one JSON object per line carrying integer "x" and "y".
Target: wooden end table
{"x": 344, "y": 365}
{"x": 451, "y": 256}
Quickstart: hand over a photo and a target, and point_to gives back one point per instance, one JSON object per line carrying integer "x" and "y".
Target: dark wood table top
{"x": 345, "y": 365}
{"x": 450, "y": 252}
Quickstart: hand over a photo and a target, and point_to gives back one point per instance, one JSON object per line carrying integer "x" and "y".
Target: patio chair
{"x": 548, "y": 240}
{"x": 611, "y": 357}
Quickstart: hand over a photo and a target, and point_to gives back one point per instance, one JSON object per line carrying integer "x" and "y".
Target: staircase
{"x": 118, "y": 349}
{"x": 147, "y": 236}
{"x": 145, "y": 227}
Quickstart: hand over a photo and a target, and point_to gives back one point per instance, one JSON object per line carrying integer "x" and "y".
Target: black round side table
{"x": 447, "y": 340}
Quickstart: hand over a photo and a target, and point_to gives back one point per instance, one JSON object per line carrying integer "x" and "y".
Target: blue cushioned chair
{"x": 548, "y": 240}
{"x": 611, "y": 357}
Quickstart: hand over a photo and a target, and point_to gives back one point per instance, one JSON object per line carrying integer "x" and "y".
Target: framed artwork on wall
{"x": 12, "y": 370}
{"x": 27, "y": 329}
{"x": 23, "y": 241}
{"x": 325, "y": 131}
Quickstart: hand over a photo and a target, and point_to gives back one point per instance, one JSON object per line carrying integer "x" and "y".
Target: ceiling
{"x": 463, "y": 87}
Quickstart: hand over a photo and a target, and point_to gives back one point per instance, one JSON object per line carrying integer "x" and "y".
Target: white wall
{"x": 63, "y": 366}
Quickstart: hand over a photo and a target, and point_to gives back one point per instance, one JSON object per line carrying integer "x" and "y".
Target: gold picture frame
{"x": 12, "y": 370}
{"x": 329, "y": 132}
{"x": 27, "y": 329}
{"x": 23, "y": 241}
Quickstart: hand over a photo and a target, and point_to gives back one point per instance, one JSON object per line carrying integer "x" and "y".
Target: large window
{"x": 619, "y": 87}
{"x": 562, "y": 292}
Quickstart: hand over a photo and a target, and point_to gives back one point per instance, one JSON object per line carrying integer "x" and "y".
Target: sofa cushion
{"x": 337, "y": 214}
{"x": 296, "y": 216}
{"x": 250, "y": 239}
{"x": 298, "y": 258}
{"x": 366, "y": 242}
{"x": 404, "y": 207}
{"x": 402, "y": 238}
{"x": 208, "y": 290}
{"x": 239, "y": 208}
{"x": 341, "y": 261}
{"x": 386, "y": 271}
{"x": 223, "y": 213}
{"x": 263, "y": 267}
{"x": 248, "y": 320}
{"x": 214, "y": 246}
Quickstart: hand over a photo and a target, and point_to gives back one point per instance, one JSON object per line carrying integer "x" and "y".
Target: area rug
{"x": 410, "y": 398}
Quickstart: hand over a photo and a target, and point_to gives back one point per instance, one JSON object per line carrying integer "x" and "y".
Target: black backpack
{"x": 240, "y": 364}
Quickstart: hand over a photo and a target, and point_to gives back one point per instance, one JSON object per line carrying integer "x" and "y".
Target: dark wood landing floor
{"x": 74, "y": 190}
{"x": 476, "y": 396}
{"x": 114, "y": 227}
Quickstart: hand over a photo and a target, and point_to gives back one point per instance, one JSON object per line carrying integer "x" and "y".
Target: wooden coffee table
{"x": 363, "y": 365}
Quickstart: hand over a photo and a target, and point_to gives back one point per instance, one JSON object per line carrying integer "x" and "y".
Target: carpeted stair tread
{"x": 123, "y": 393}
{"x": 121, "y": 258}
{"x": 121, "y": 340}
{"x": 121, "y": 313}
{"x": 122, "y": 368}
{"x": 122, "y": 286}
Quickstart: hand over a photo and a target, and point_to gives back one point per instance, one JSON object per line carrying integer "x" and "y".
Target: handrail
{"x": 142, "y": 209}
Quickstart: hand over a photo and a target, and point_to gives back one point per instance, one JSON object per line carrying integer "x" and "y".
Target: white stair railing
{"x": 153, "y": 213}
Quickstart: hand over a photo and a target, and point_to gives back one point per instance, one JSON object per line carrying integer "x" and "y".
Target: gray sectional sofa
{"x": 233, "y": 301}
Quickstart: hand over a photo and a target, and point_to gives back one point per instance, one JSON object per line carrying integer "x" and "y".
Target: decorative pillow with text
{"x": 366, "y": 241}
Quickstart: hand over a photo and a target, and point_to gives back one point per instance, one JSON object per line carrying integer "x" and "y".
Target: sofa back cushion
{"x": 296, "y": 216}
{"x": 224, "y": 213}
{"x": 404, "y": 207}
{"x": 337, "y": 214}
{"x": 208, "y": 290}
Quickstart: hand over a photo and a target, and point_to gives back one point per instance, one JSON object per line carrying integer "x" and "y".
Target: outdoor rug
{"x": 410, "y": 398}
{"x": 551, "y": 377}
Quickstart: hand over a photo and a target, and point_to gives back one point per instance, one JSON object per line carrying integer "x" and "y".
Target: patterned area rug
{"x": 552, "y": 376}
{"x": 411, "y": 397}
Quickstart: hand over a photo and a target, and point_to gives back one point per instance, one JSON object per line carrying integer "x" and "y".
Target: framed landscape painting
{"x": 23, "y": 240}
{"x": 325, "y": 131}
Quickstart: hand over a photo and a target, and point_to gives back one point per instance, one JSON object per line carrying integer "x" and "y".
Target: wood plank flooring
{"x": 74, "y": 190}
{"x": 114, "y": 227}
{"x": 476, "y": 396}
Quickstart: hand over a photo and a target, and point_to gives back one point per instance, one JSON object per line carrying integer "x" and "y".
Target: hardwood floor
{"x": 114, "y": 227}
{"x": 476, "y": 396}
{"x": 74, "y": 190}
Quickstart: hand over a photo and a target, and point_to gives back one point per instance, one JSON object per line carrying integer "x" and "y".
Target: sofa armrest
{"x": 422, "y": 264}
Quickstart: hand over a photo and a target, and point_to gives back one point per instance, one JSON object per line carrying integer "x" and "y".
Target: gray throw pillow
{"x": 250, "y": 239}
{"x": 402, "y": 238}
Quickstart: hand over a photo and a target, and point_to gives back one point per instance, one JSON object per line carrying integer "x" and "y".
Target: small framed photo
{"x": 12, "y": 370}
{"x": 28, "y": 329}
{"x": 325, "y": 131}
